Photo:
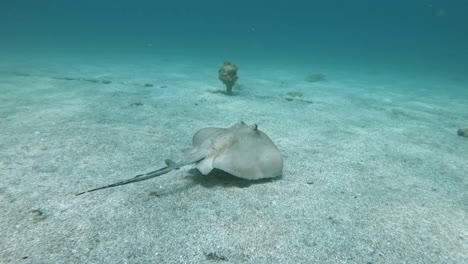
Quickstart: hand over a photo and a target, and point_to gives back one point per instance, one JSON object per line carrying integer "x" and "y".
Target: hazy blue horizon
{"x": 432, "y": 34}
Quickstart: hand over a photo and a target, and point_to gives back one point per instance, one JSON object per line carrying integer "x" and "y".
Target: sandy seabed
{"x": 374, "y": 169}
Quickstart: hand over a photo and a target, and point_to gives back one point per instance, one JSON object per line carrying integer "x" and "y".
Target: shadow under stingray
{"x": 221, "y": 178}
{"x": 214, "y": 179}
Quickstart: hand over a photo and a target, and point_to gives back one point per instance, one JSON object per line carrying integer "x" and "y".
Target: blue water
{"x": 93, "y": 92}
{"x": 430, "y": 34}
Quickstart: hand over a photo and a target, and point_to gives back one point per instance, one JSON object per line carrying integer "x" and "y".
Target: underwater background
{"x": 414, "y": 35}
{"x": 367, "y": 102}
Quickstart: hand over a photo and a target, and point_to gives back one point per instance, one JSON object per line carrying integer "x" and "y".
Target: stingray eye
{"x": 241, "y": 122}
{"x": 254, "y": 127}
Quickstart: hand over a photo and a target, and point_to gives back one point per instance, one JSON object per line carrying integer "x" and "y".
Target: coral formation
{"x": 228, "y": 75}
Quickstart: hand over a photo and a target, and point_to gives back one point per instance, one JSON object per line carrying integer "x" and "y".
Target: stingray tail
{"x": 140, "y": 177}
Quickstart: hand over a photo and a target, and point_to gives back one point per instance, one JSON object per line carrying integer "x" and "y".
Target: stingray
{"x": 241, "y": 150}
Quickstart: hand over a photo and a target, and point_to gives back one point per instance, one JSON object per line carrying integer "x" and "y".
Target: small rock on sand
{"x": 463, "y": 132}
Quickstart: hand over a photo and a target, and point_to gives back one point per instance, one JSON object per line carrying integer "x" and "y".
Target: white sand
{"x": 374, "y": 169}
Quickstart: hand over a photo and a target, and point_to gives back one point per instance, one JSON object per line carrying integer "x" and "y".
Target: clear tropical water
{"x": 362, "y": 98}
{"x": 423, "y": 34}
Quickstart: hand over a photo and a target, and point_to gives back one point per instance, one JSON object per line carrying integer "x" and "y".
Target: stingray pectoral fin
{"x": 205, "y": 166}
{"x": 190, "y": 151}
{"x": 141, "y": 177}
{"x": 193, "y": 156}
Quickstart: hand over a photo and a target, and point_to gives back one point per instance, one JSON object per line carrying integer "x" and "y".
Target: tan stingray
{"x": 241, "y": 150}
